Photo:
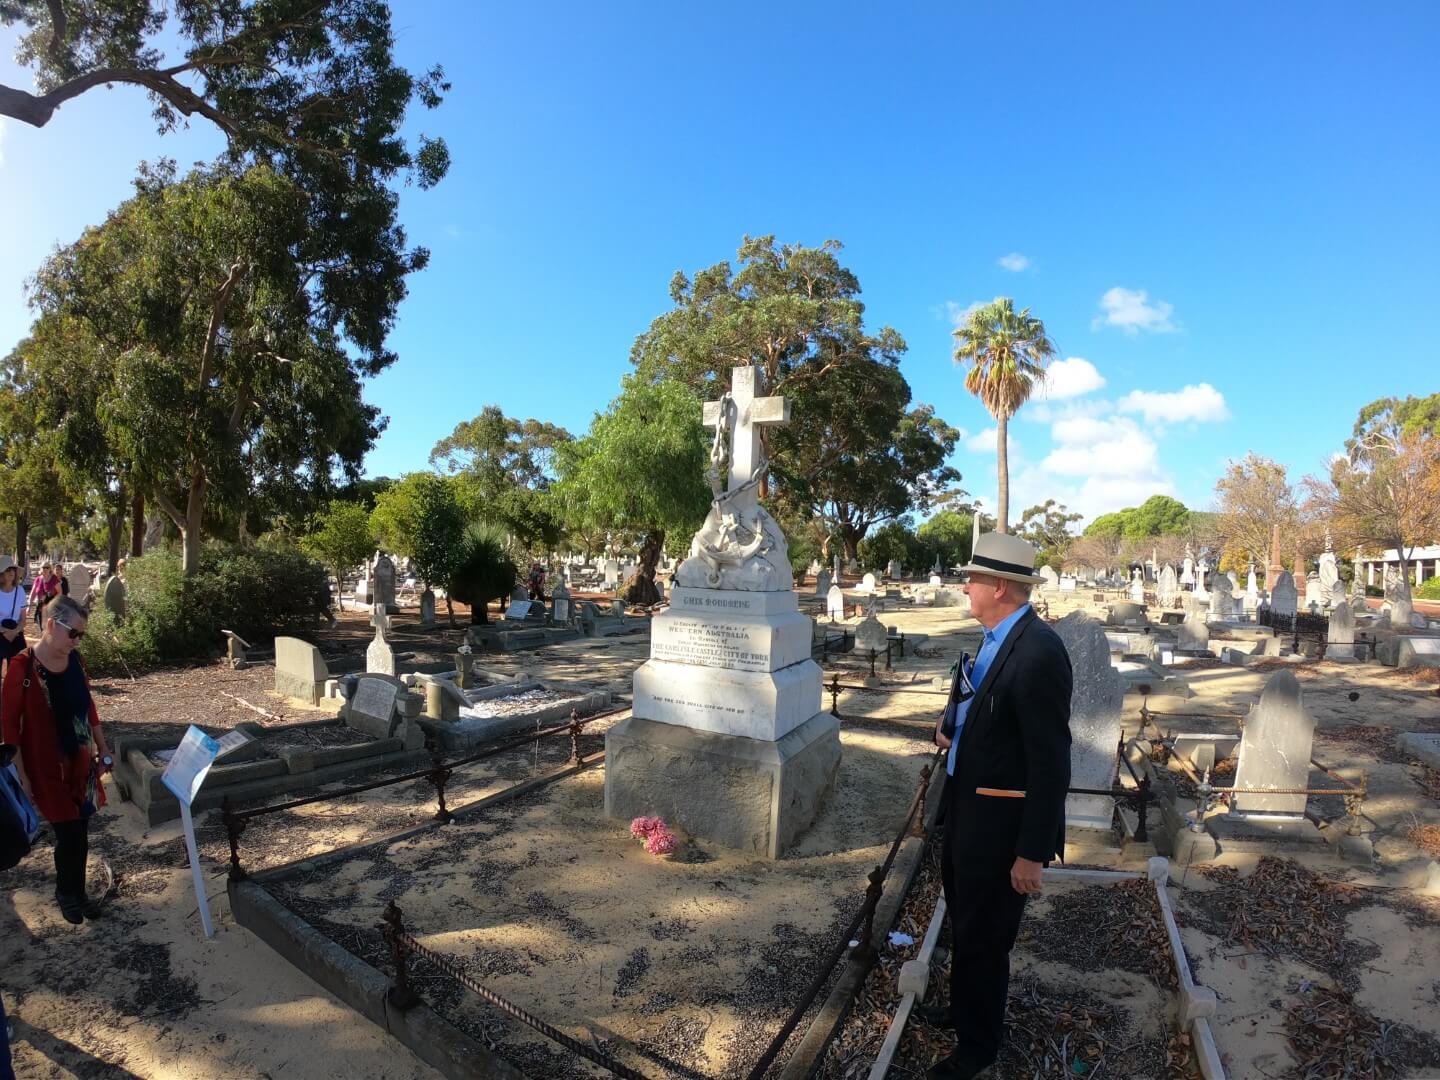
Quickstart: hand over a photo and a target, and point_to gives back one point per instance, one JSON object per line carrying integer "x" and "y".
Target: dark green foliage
{"x": 438, "y": 531}
{"x": 1159, "y": 515}
{"x": 484, "y": 571}
{"x": 258, "y": 592}
{"x": 340, "y": 537}
{"x": 893, "y": 540}
{"x": 948, "y": 534}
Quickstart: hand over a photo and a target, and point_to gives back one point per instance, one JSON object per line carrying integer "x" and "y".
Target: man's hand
{"x": 1025, "y": 876}
{"x": 941, "y": 739}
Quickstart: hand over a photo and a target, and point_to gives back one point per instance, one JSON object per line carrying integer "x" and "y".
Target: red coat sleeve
{"x": 12, "y": 700}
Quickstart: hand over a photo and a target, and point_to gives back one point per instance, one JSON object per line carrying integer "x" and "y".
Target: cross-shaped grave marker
{"x": 750, "y": 414}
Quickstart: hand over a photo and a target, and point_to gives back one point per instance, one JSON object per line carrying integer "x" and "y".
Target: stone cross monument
{"x": 727, "y": 738}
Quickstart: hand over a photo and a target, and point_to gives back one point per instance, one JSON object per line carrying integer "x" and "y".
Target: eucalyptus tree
{"x": 1005, "y": 353}
{"x": 218, "y": 358}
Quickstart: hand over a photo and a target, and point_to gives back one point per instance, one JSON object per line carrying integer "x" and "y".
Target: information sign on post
{"x": 183, "y": 776}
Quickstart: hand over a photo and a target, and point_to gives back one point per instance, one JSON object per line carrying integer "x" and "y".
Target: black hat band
{"x": 1003, "y": 567}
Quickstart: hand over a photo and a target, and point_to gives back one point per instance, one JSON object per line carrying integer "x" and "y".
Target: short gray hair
{"x": 65, "y": 605}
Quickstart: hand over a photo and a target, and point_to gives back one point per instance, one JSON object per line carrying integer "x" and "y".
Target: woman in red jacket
{"x": 46, "y": 710}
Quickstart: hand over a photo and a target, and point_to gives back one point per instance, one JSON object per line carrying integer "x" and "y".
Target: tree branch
{"x": 59, "y": 24}
{"x": 171, "y": 510}
{"x": 36, "y": 110}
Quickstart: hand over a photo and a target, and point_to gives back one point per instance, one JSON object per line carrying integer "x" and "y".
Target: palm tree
{"x": 1006, "y": 352}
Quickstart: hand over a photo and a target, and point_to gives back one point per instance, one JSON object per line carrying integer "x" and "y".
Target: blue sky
{"x": 1226, "y": 214}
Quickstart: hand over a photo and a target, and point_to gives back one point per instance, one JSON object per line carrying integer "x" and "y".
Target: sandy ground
{"x": 141, "y": 993}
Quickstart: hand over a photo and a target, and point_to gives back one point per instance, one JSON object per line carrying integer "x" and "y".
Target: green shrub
{"x": 1428, "y": 590}
{"x": 258, "y": 592}
{"x": 484, "y": 571}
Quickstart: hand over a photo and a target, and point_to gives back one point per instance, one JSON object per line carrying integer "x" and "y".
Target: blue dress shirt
{"x": 994, "y": 638}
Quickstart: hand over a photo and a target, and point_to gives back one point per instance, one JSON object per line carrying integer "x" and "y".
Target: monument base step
{"x": 750, "y": 794}
{"x": 1260, "y": 834}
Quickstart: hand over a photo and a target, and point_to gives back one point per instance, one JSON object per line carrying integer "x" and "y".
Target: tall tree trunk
{"x": 1002, "y": 469}
{"x": 137, "y": 525}
{"x": 642, "y": 589}
{"x": 192, "y": 532}
{"x": 22, "y": 539}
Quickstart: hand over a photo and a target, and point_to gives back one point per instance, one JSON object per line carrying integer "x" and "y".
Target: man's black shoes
{"x": 70, "y": 908}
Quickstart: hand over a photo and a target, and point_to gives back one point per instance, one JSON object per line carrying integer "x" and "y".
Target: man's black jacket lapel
{"x": 993, "y": 671}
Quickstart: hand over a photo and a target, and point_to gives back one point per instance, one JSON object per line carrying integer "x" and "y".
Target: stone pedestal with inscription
{"x": 727, "y": 739}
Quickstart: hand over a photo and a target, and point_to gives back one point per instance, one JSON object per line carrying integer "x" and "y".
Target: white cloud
{"x": 1014, "y": 262}
{"x": 957, "y": 313}
{"x": 1070, "y": 378}
{"x": 1093, "y": 447}
{"x": 1133, "y": 311}
{"x": 1044, "y": 412}
{"x": 983, "y": 442}
{"x": 1200, "y": 404}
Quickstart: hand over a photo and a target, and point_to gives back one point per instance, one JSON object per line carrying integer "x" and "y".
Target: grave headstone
{"x": 612, "y": 573}
{"x": 385, "y": 584}
{"x": 518, "y": 611}
{"x": 371, "y": 708}
{"x": 1222, "y": 602}
{"x": 365, "y": 587}
{"x": 835, "y": 603}
{"x": 936, "y": 579}
{"x": 1341, "y": 633}
{"x": 427, "y": 609}
{"x": 1168, "y": 587}
{"x": 114, "y": 597}
{"x": 1314, "y": 592}
{"x": 1095, "y": 726}
{"x": 1252, "y": 591}
{"x": 1125, "y": 613}
{"x": 379, "y": 656}
{"x": 1417, "y": 652}
{"x": 822, "y": 584}
{"x": 871, "y": 635}
{"x": 560, "y": 605}
{"x": 1137, "y": 589}
{"x": 1282, "y": 596}
{"x": 892, "y": 571}
{"x": 464, "y": 667}
{"x": 1193, "y": 635}
{"x": 79, "y": 579}
{"x": 1052, "y": 579}
{"x": 1187, "y": 575}
{"x": 1067, "y": 583}
{"x": 1329, "y": 572}
{"x": 867, "y": 584}
{"x": 1275, "y": 749}
{"x": 300, "y": 670}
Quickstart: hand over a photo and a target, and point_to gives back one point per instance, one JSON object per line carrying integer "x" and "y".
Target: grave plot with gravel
{"x": 678, "y": 965}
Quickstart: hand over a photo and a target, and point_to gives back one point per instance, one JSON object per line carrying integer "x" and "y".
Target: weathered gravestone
{"x": 1252, "y": 591}
{"x": 936, "y": 579}
{"x": 114, "y": 598}
{"x": 1125, "y": 613}
{"x": 79, "y": 579}
{"x": 560, "y": 608}
{"x": 379, "y": 656}
{"x": 1314, "y": 593}
{"x": 835, "y": 603}
{"x": 381, "y": 707}
{"x": 365, "y": 587}
{"x": 385, "y": 584}
{"x": 427, "y": 609}
{"x": 1341, "y": 634}
{"x": 612, "y": 573}
{"x": 892, "y": 571}
{"x": 1413, "y": 652}
{"x": 1167, "y": 588}
{"x": 518, "y": 611}
{"x": 1137, "y": 588}
{"x": 1052, "y": 579}
{"x": 822, "y": 584}
{"x": 1282, "y": 596}
{"x": 300, "y": 670}
{"x": 1275, "y": 748}
{"x": 1193, "y": 635}
{"x": 1095, "y": 728}
{"x": 1222, "y": 599}
{"x": 867, "y": 584}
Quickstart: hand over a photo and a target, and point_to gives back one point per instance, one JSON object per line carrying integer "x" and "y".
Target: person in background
{"x": 12, "y": 610}
{"x": 50, "y": 584}
{"x": 48, "y": 713}
{"x": 537, "y": 582}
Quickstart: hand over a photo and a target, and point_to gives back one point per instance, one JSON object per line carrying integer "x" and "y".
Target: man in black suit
{"x": 1007, "y": 730}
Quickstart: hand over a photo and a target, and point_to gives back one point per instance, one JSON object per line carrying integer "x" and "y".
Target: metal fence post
{"x": 400, "y": 995}
{"x": 234, "y": 826}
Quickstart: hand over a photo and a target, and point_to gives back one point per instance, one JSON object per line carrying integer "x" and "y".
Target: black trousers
{"x": 72, "y": 848}
{"x": 985, "y": 916}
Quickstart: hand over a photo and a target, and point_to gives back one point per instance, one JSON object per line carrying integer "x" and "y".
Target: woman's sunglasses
{"x": 75, "y": 635}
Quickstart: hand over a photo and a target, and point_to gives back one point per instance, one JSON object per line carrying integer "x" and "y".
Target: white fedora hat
{"x": 1004, "y": 556}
